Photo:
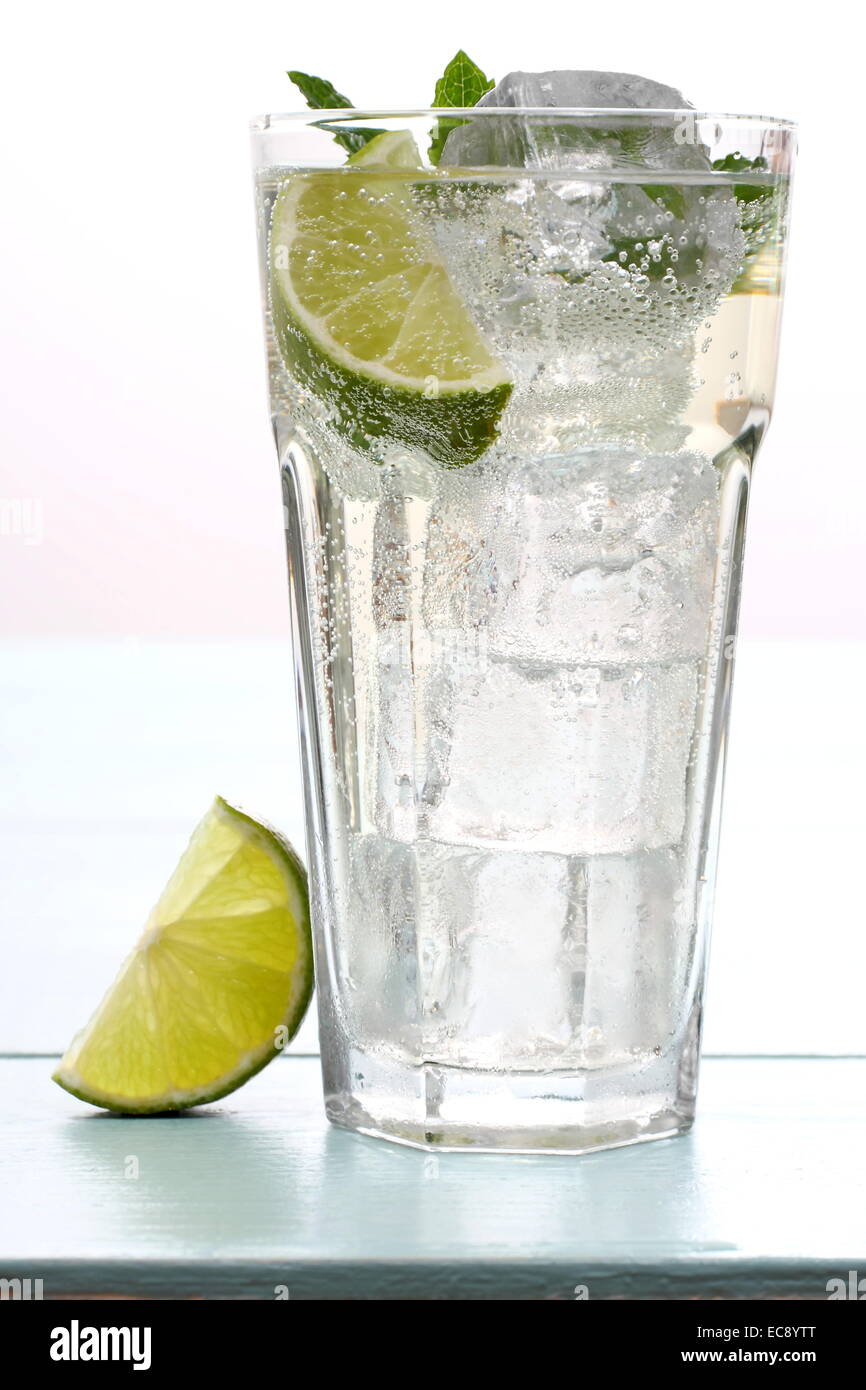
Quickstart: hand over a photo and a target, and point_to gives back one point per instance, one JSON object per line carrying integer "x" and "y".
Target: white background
{"x": 134, "y": 420}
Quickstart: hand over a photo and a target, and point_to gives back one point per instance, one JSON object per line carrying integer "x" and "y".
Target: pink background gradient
{"x": 135, "y": 414}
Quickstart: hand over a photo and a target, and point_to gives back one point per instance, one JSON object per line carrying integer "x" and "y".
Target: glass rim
{"x": 270, "y": 121}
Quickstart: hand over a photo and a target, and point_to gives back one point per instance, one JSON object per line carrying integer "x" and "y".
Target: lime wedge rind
{"x": 169, "y": 1102}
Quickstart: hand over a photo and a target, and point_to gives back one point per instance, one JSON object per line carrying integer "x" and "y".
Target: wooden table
{"x": 257, "y": 1193}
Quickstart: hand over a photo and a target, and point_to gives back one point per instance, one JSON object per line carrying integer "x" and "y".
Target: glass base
{"x": 457, "y": 1109}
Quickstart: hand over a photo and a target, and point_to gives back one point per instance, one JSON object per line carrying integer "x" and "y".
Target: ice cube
{"x": 603, "y": 556}
{"x": 499, "y": 977}
{"x": 405, "y": 669}
{"x": 520, "y": 141}
{"x": 412, "y": 736}
{"x": 606, "y": 557}
{"x": 459, "y": 955}
{"x": 374, "y": 940}
{"x": 639, "y": 928}
{"x": 583, "y": 89}
{"x": 470, "y": 957}
{"x": 565, "y": 759}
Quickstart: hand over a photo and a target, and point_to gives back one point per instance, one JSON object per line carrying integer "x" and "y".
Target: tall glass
{"x": 517, "y": 397}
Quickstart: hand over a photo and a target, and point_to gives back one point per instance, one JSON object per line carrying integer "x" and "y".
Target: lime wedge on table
{"x": 219, "y": 980}
{"x": 367, "y": 317}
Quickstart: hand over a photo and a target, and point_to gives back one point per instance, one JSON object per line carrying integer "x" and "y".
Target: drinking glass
{"x": 520, "y": 365}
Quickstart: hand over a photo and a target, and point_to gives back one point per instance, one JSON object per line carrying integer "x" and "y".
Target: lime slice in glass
{"x": 366, "y": 315}
{"x": 390, "y": 149}
{"x": 220, "y": 979}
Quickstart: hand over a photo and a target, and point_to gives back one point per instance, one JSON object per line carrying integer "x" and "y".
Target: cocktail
{"x": 521, "y": 359}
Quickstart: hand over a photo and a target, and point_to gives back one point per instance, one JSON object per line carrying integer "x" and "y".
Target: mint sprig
{"x": 461, "y": 84}
{"x": 321, "y": 95}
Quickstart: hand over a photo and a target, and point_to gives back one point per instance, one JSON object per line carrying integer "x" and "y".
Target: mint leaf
{"x": 322, "y": 95}
{"x": 461, "y": 84}
{"x": 738, "y": 164}
{"x": 318, "y": 93}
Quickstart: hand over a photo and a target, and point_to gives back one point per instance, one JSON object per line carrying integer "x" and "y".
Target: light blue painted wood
{"x": 764, "y": 1198}
{"x": 112, "y": 751}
